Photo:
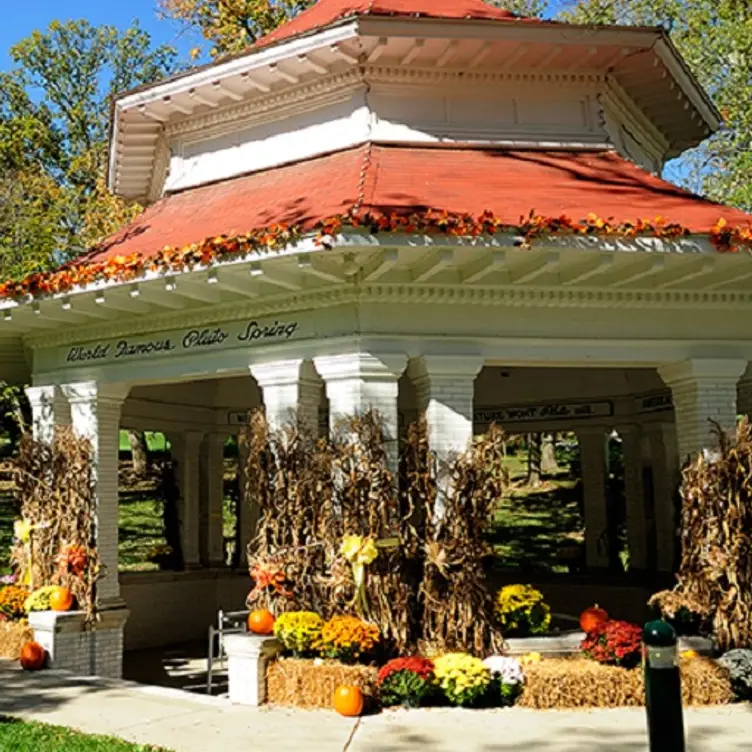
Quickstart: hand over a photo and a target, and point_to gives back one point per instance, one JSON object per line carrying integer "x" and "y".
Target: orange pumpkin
{"x": 61, "y": 599}
{"x": 261, "y": 621}
{"x": 592, "y": 617}
{"x": 348, "y": 700}
{"x": 33, "y": 656}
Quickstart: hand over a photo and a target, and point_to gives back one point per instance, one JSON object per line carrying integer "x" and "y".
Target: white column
{"x": 358, "y": 382}
{"x": 593, "y": 461}
{"x": 49, "y": 408}
{"x": 634, "y": 492}
{"x": 95, "y": 414}
{"x": 248, "y": 509}
{"x": 445, "y": 393}
{"x": 185, "y": 451}
{"x": 703, "y": 390}
{"x": 290, "y": 388}
{"x": 212, "y": 471}
{"x": 666, "y": 479}
{"x": 744, "y": 394}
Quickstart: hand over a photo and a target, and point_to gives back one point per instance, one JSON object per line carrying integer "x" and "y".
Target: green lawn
{"x": 21, "y": 736}
{"x": 155, "y": 441}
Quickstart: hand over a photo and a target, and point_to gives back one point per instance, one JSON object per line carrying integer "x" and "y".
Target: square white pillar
{"x": 247, "y": 658}
{"x": 445, "y": 394}
{"x": 212, "y": 473}
{"x": 290, "y": 389}
{"x": 358, "y": 382}
{"x": 594, "y": 464}
{"x": 634, "y": 492}
{"x": 703, "y": 390}
{"x": 666, "y": 479}
{"x": 95, "y": 414}
{"x": 49, "y": 408}
{"x": 185, "y": 451}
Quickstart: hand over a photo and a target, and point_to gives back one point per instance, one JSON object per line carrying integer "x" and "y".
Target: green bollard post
{"x": 662, "y": 688}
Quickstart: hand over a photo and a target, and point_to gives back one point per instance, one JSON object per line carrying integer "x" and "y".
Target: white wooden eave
{"x": 638, "y": 66}
{"x": 564, "y": 272}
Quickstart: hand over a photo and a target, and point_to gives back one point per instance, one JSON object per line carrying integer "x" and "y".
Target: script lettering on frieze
{"x": 249, "y": 333}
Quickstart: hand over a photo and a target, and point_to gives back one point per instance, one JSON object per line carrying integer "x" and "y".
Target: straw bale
{"x": 310, "y": 684}
{"x": 13, "y": 635}
{"x": 581, "y": 683}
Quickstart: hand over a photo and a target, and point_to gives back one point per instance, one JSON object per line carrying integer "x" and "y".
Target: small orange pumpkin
{"x": 33, "y": 656}
{"x": 261, "y": 621}
{"x": 592, "y": 617}
{"x": 61, "y": 599}
{"x": 348, "y": 700}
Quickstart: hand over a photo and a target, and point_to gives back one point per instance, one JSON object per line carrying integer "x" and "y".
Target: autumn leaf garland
{"x": 277, "y": 236}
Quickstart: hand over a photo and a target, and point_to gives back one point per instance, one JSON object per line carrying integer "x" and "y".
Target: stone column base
{"x": 71, "y": 646}
{"x": 247, "y": 656}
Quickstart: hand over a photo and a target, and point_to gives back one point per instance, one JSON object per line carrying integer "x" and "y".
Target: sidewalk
{"x": 187, "y": 722}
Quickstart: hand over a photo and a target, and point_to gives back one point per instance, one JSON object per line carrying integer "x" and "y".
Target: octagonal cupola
{"x": 427, "y": 72}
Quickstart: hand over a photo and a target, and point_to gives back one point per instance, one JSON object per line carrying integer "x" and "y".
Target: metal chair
{"x": 228, "y": 622}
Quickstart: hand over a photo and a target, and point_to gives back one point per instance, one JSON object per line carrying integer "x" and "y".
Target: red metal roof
{"x": 326, "y": 12}
{"x": 402, "y": 178}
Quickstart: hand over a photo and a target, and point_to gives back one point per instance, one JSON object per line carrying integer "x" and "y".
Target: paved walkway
{"x": 191, "y": 723}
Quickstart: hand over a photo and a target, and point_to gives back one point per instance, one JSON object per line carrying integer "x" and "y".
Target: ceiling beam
{"x": 480, "y": 55}
{"x": 706, "y": 266}
{"x": 224, "y": 90}
{"x": 378, "y": 49}
{"x": 413, "y": 52}
{"x": 319, "y": 268}
{"x": 640, "y": 270}
{"x": 482, "y": 268}
{"x": 307, "y": 60}
{"x": 201, "y": 99}
{"x": 283, "y": 74}
{"x": 262, "y": 274}
{"x": 170, "y": 103}
{"x": 433, "y": 265}
{"x": 447, "y": 54}
{"x": 548, "y": 263}
{"x": 589, "y": 270}
{"x": 384, "y": 263}
{"x": 263, "y": 88}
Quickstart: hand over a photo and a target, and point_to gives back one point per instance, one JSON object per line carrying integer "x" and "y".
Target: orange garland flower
{"x": 425, "y": 222}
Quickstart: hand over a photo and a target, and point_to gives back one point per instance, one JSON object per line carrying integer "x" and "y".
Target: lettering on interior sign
{"x": 654, "y": 403}
{"x": 252, "y": 332}
{"x": 553, "y": 411}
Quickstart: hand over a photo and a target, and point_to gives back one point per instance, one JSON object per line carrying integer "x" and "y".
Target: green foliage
{"x": 21, "y": 736}
{"x": 522, "y": 611}
{"x": 715, "y": 38}
{"x": 232, "y": 25}
{"x": 54, "y": 121}
{"x": 299, "y": 631}
{"x": 462, "y": 678}
{"x": 526, "y": 8}
{"x": 39, "y": 600}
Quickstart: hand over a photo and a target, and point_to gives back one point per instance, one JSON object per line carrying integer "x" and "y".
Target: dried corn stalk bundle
{"x": 457, "y": 607}
{"x": 55, "y": 490}
{"x": 289, "y": 479}
{"x": 715, "y": 574}
{"x": 367, "y": 505}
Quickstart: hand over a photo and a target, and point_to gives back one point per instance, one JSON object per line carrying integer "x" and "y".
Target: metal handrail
{"x": 228, "y": 622}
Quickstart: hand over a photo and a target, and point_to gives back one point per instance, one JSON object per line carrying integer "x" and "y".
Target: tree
{"x": 232, "y": 25}
{"x": 715, "y": 37}
{"x": 534, "y": 447}
{"x": 526, "y": 8}
{"x": 54, "y": 122}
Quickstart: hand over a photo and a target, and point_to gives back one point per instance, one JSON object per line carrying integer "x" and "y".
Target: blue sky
{"x": 21, "y": 17}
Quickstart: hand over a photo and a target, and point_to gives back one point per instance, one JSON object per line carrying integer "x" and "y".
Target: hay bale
{"x": 705, "y": 682}
{"x": 13, "y": 635}
{"x": 580, "y": 683}
{"x": 560, "y": 683}
{"x": 305, "y": 683}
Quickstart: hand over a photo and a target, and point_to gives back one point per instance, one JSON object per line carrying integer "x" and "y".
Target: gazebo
{"x": 423, "y": 206}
